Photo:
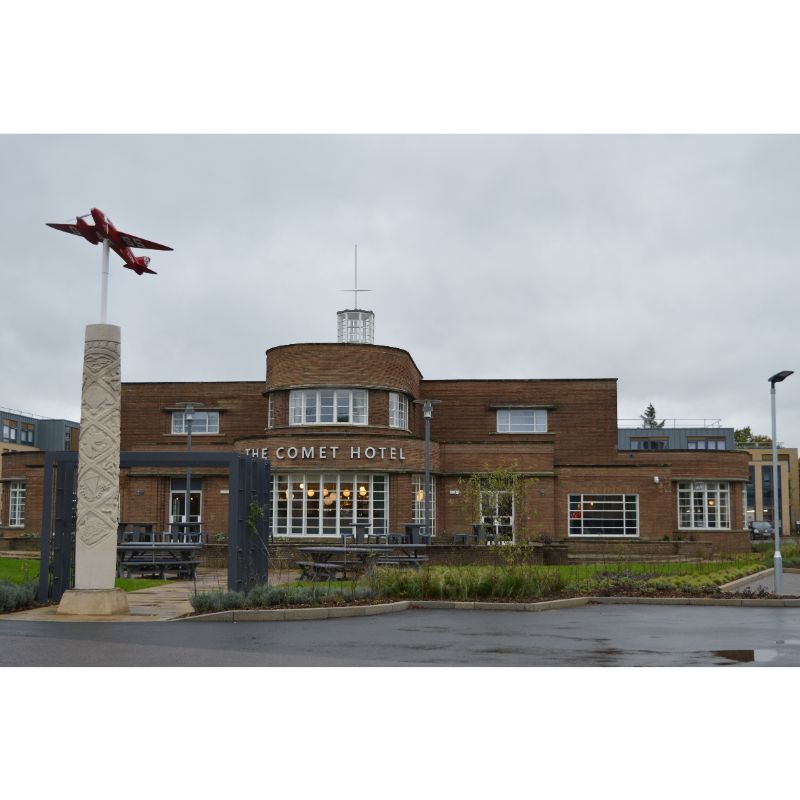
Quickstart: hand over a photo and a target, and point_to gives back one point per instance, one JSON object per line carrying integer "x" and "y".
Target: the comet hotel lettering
{"x": 331, "y": 452}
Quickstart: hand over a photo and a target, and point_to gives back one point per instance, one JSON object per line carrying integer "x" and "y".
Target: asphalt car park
{"x": 593, "y": 635}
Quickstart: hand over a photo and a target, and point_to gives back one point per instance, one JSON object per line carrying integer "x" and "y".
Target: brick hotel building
{"x": 345, "y": 438}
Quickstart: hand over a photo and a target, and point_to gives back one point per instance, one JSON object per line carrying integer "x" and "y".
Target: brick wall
{"x": 355, "y": 365}
{"x": 147, "y": 419}
{"x": 582, "y": 423}
{"x": 27, "y": 467}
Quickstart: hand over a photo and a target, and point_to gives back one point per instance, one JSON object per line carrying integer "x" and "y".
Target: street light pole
{"x": 188, "y": 416}
{"x": 427, "y": 413}
{"x": 776, "y": 506}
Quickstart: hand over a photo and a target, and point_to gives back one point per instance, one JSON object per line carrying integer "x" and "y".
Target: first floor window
{"x": 328, "y": 407}
{"x": 203, "y": 422}
{"x": 522, "y": 420}
{"x": 418, "y": 484}
{"x": 704, "y": 504}
{"x": 328, "y": 504}
{"x": 398, "y": 410}
{"x": 648, "y": 444}
{"x": 270, "y": 413}
{"x": 497, "y": 511}
{"x": 10, "y": 430}
{"x": 26, "y": 433}
{"x": 706, "y": 444}
{"x": 603, "y": 515}
{"x": 16, "y": 505}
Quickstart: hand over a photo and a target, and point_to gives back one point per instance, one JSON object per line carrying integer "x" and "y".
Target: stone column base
{"x": 94, "y": 602}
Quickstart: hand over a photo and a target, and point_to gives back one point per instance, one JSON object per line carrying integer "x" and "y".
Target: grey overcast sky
{"x": 668, "y": 262}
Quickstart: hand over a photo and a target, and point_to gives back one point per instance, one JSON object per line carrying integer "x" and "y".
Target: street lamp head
{"x": 781, "y": 376}
{"x": 427, "y": 407}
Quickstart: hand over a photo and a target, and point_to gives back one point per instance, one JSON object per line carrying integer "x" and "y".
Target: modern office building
{"x": 760, "y": 496}
{"x": 342, "y": 426}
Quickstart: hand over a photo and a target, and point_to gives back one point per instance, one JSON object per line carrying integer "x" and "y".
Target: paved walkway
{"x": 159, "y": 603}
{"x": 790, "y": 585}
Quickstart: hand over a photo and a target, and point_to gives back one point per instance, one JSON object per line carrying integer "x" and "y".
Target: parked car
{"x": 761, "y": 530}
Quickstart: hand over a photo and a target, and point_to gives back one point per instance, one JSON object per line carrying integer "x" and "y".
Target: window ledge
{"x": 543, "y": 406}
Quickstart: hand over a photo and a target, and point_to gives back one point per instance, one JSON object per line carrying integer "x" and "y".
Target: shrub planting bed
{"x": 515, "y": 583}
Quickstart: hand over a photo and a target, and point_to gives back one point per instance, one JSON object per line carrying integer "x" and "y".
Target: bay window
{"x": 328, "y": 407}
{"x": 398, "y": 410}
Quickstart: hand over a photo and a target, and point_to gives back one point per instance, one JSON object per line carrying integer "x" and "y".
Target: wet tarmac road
{"x": 589, "y": 636}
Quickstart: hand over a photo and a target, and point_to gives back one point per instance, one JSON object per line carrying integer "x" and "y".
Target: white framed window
{"x": 16, "y": 505}
{"x": 497, "y": 510}
{"x": 177, "y": 500}
{"x": 522, "y": 420}
{"x": 706, "y": 444}
{"x": 418, "y": 484}
{"x": 704, "y": 505}
{"x": 328, "y": 407}
{"x": 270, "y": 412}
{"x": 398, "y": 410}
{"x": 603, "y": 515}
{"x": 328, "y": 504}
{"x": 203, "y": 422}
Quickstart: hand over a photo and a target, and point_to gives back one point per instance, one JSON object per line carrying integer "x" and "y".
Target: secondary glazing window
{"x": 706, "y": 444}
{"x": 328, "y": 407}
{"x": 522, "y": 420}
{"x": 9, "y": 430}
{"x": 704, "y": 504}
{"x": 203, "y": 422}
{"x": 328, "y": 504}
{"x": 604, "y": 515}
{"x": 418, "y": 483}
{"x": 398, "y": 410}
{"x": 26, "y": 433}
{"x": 16, "y": 505}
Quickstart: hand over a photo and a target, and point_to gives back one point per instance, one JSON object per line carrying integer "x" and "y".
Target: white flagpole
{"x": 104, "y": 284}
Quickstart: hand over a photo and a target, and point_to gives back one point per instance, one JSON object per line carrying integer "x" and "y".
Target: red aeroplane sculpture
{"x": 104, "y": 231}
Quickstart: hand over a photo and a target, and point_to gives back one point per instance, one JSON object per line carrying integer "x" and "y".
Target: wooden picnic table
{"x": 325, "y": 562}
{"x": 156, "y": 558}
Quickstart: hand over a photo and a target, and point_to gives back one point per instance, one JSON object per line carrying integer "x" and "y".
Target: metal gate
{"x": 248, "y": 514}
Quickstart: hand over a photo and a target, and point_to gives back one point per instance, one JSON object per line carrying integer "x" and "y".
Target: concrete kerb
{"x": 297, "y": 614}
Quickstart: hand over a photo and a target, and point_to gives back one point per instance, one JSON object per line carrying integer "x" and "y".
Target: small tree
{"x": 649, "y": 418}
{"x": 490, "y": 484}
{"x": 745, "y": 436}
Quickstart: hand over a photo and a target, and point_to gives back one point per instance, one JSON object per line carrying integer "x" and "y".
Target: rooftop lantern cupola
{"x": 355, "y": 325}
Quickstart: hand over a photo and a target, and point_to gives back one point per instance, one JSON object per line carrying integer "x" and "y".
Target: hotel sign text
{"x": 331, "y": 452}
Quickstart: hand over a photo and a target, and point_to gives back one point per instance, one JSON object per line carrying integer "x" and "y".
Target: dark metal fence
{"x": 248, "y": 514}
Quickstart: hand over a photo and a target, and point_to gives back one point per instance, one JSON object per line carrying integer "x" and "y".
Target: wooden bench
{"x": 145, "y": 565}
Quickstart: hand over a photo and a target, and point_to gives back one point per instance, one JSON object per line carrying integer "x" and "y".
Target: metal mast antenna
{"x": 356, "y": 290}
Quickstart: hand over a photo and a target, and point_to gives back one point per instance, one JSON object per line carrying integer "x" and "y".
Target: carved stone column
{"x": 98, "y": 480}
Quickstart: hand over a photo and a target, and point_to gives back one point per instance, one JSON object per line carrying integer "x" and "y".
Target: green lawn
{"x": 24, "y": 570}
